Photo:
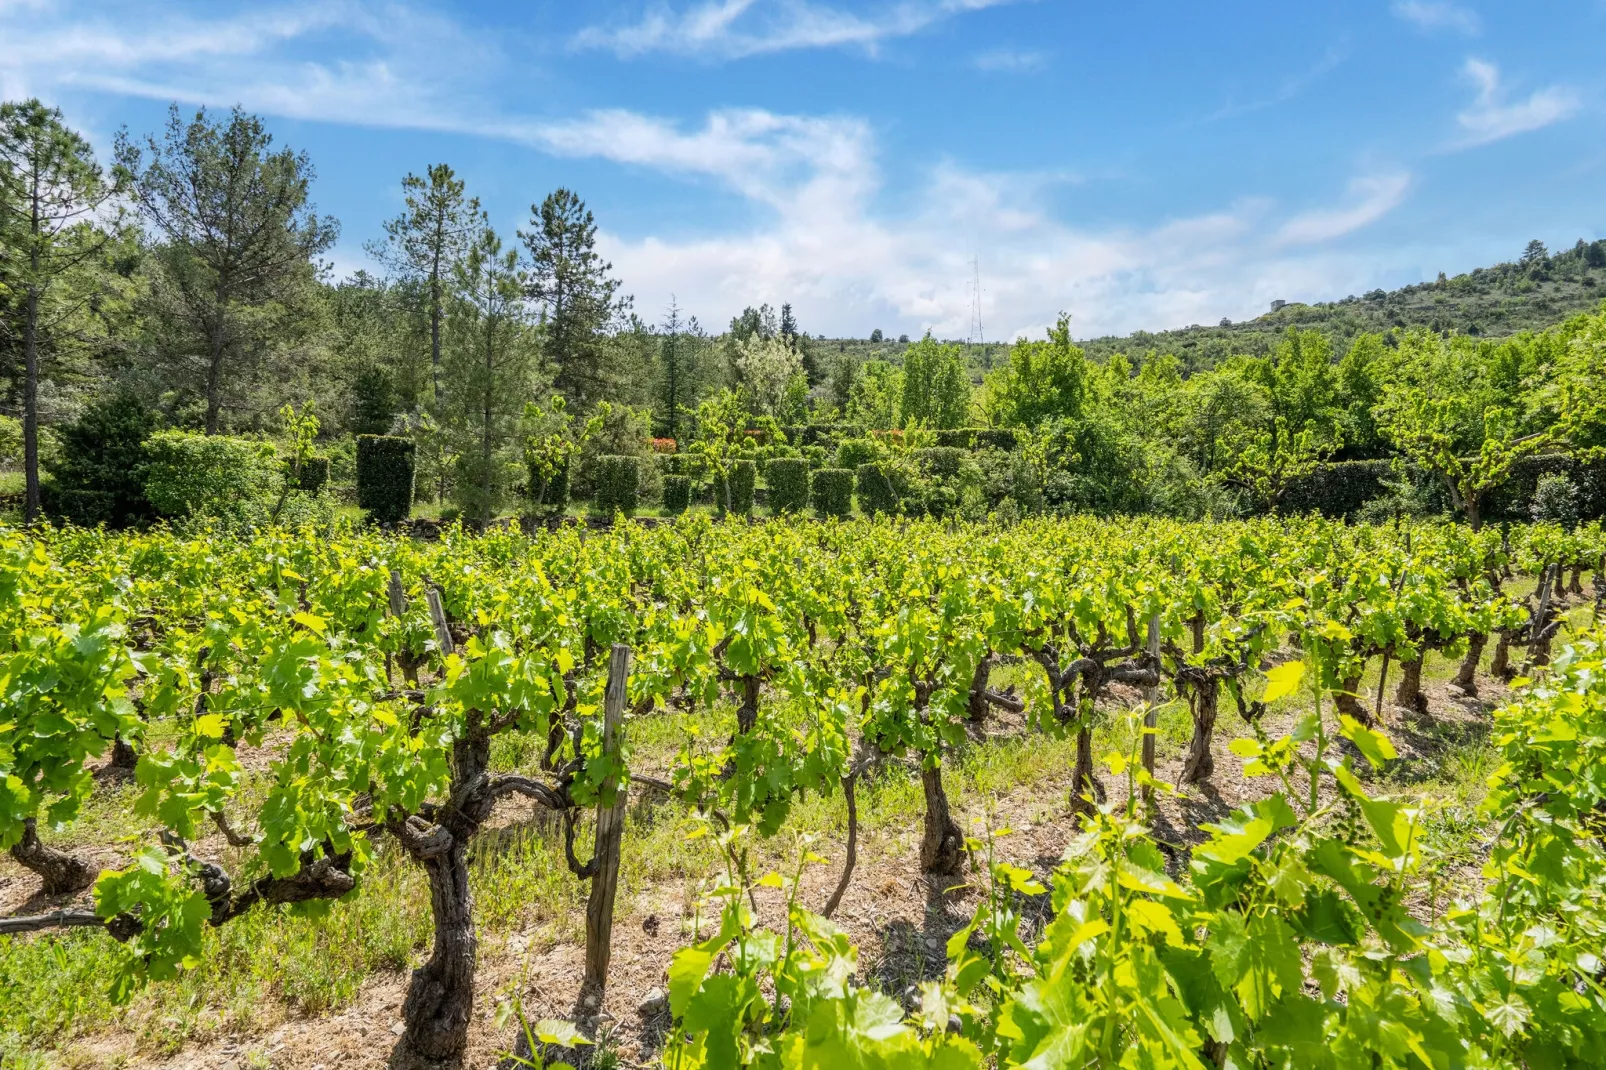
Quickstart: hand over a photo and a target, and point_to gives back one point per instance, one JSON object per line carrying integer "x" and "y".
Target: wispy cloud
{"x": 1009, "y": 59}
{"x": 1437, "y": 15}
{"x": 1370, "y": 198}
{"x": 1491, "y": 118}
{"x": 1288, "y": 90}
{"x": 734, "y": 29}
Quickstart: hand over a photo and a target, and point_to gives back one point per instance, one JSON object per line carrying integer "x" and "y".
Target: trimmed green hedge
{"x": 618, "y": 480}
{"x": 789, "y": 484}
{"x": 1511, "y": 500}
{"x": 977, "y": 438}
{"x": 677, "y": 494}
{"x": 881, "y": 488}
{"x": 1338, "y": 489}
{"x": 552, "y": 492}
{"x": 831, "y": 491}
{"x": 314, "y": 474}
{"x": 189, "y": 474}
{"x": 940, "y": 461}
{"x": 743, "y": 477}
{"x": 385, "y": 477}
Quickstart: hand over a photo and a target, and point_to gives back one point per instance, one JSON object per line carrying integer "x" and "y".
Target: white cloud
{"x": 830, "y": 235}
{"x": 733, "y": 29}
{"x": 1371, "y": 198}
{"x": 1432, "y": 15}
{"x": 1490, "y": 118}
{"x": 1009, "y": 59}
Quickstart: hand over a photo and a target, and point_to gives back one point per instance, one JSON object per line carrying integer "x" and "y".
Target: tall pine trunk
{"x": 30, "y": 403}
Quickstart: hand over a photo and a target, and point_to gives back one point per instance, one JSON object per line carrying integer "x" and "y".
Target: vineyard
{"x": 391, "y": 746}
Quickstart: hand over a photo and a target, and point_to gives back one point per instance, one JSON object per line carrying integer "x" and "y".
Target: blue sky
{"x": 1139, "y": 165}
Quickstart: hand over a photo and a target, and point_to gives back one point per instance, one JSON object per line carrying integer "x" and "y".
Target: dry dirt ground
{"x": 899, "y": 921}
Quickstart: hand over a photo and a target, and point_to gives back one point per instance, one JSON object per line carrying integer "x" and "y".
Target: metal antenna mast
{"x": 977, "y": 337}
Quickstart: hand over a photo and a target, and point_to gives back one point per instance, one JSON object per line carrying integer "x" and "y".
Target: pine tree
{"x": 681, "y": 348}
{"x": 50, "y": 190}
{"x": 425, "y": 243}
{"x": 490, "y": 369}
{"x": 239, "y": 229}
{"x": 579, "y": 299}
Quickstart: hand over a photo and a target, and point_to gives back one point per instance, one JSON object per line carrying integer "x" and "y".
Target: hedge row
{"x": 1342, "y": 488}
{"x": 552, "y": 492}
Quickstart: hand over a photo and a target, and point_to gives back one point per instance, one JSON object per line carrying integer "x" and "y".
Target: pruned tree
{"x": 578, "y": 298}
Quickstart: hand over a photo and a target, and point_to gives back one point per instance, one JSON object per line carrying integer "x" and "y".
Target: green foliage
{"x": 831, "y": 492}
{"x": 385, "y": 477}
{"x": 191, "y": 475}
{"x": 677, "y": 494}
{"x": 552, "y": 444}
{"x": 96, "y": 477}
{"x": 936, "y": 386}
{"x": 788, "y": 479}
{"x": 618, "y": 482}
{"x": 1042, "y": 381}
{"x": 852, "y": 452}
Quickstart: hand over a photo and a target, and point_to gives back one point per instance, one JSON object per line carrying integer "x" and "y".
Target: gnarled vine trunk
{"x": 59, "y": 871}
{"x": 942, "y": 846}
{"x": 1500, "y": 662}
{"x": 1409, "y": 693}
{"x": 1347, "y": 699}
{"x": 1082, "y": 780}
{"x": 1466, "y": 677}
{"x": 977, "y": 706}
{"x": 440, "y": 998}
{"x": 1197, "y": 762}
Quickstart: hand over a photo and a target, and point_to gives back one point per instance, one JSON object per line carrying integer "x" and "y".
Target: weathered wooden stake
{"x": 1151, "y": 695}
{"x": 437, "y": 616}
{"x": 610, "y": 831}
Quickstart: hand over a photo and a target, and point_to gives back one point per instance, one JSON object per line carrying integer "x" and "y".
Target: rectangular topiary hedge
{"x": 789, "y": 484}
{"x": 677, "y": 494}
{"x": 618, "y": 481}
{"x": 831, "y": 491}
{"x": 1338, "y": 489}
{"x": 314, "y": 474}
{"x": 743, "y": 477}
{"x": 385, "y": 477}
{"x": 880, "y": 488}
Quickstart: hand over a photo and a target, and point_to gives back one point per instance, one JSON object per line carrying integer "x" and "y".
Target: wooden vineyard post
{"x": 610, "y": 831}
{"x": 1151, "y": 695}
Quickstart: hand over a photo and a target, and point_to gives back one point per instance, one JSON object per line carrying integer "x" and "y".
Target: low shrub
{"x": 385, "y": 477}
{"x": 618, "y": 482}
{"x": 190, "y": 475}
{"x": 789, "y": 484}
{"x": 831, "y": 491}
{"x": 677, "y": 494}
{"x": 96, "y": 476}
